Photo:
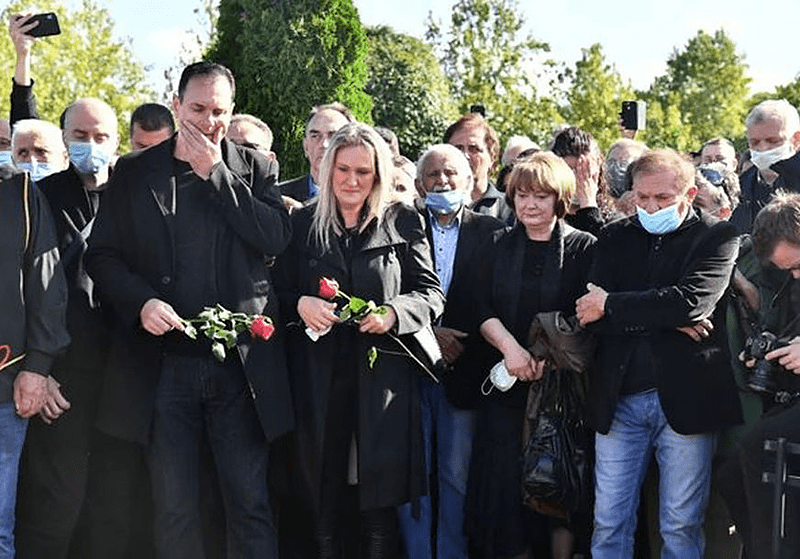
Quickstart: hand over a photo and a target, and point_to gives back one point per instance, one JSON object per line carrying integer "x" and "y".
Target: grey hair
{"x": 443, "y": 149}
{"x": 326, "y": 221}
{"x": 48, "y": 130}
{"x": 775, "y": 109}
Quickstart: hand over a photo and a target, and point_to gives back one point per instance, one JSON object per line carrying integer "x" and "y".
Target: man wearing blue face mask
{"x": 661, "y": 382}
{"x": 773, "y": 135}
{"x": 54, "y": 466}
{"x": 444, "y": 180}
{"x": 37, "y": 148}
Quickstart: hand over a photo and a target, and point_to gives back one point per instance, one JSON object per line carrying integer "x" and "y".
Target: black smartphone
{"x": 634, "y": 115}
{"x": 48, "y": 25}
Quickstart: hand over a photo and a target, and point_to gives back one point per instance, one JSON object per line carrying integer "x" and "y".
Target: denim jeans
{"x": 622, "y": 456}
{"x": 12, "y": 437}
{"x": 196, "y": 393}
{"x": 447, "y": 431}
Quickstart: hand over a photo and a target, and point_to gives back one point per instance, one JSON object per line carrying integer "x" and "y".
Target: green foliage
{"x": 85, "y": 60}
{"x": 288, "y": 56}
{"x": 702, "y": 95}
{"x": 595, "y": 95}
{"x": 409, "y": 91}
{"x": 489, "y": 64}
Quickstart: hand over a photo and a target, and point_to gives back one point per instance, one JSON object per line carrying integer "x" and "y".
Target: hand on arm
{"x": 591, "y": 307}
{"x": 698, "y": 332}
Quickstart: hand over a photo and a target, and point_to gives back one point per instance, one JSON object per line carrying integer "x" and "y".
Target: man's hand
{"x": 519, "y": 363}
{"x": 200, "y": 151}
{"x": 54, "y": 402}
{"x": 18, "y": 27}
{"x": 591, "y": 307}
{"x": 586, "y": 182}
{"x": 291, "y": 204}
{"x": 746, "y": 288}
{"x": 375, "y": 323}
{"x": 159, "y": 317}
{"x": 449, "y": 340}
{"x": 29, "y": 393}
{"x": 788, "y": 356}
{"x": 698, "y": 332}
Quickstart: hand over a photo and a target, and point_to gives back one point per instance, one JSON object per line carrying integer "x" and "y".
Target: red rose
{"x": 261, "y": 329}
{"x": 328, "y": 288}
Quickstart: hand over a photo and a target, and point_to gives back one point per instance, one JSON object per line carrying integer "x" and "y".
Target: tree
{"x": 85, "y": 60}
{"x": 489, "y": 64}
{"x": 409, "y": 91}
{"x": 288, "y": 56}
{"x": 595, "y": 95}
{"x": 707, "y": 87}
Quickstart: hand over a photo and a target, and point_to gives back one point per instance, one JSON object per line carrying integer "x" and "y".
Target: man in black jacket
{"x": 187, "y": 224}
{"x": 661, "y": 381}
{"x": 444, "y": 179}
{"x": 32, "y": 329}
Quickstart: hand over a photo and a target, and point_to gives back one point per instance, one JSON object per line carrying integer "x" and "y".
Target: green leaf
{"x": 383, "y": 309}
{"x": 372, "y": 356}
{"x": 345, "y": 314}
{"x": 219, "y": 351}
{"x": 190, "y": 330}
{"x": 357, "y": 305}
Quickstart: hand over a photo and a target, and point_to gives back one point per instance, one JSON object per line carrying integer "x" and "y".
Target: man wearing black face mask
{"x": 444, "y": 180}
{"x": 773, "y": 134}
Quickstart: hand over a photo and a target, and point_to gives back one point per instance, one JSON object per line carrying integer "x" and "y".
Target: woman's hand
{"x": 586, "y": 179}
{"x": 519, "y": 363}
{"x": 316, "y": 313}
{"x": 378, "y": 323}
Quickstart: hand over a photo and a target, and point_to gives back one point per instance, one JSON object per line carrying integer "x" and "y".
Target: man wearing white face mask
{"x": 37, "y": 147}
{"x": 773, "y": 135}
{"x": 444, "y": 181}
{"x": 661, "y": 381}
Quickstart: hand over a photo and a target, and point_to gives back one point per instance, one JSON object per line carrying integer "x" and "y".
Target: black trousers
{"x": 53, "y": 471}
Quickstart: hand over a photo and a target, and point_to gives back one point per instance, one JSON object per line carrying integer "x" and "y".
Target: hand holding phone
{"x": 47, "y": 25}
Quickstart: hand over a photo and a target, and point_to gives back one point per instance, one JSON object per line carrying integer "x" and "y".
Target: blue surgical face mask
{"x": 36, "y": 170}
{"x": 88, "y": 157}
{"x": 5, "y": 158}
{"x": 445, "y": 202}
{"x": 665, "y": 220}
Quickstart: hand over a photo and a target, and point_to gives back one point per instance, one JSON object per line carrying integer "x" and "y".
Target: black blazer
{"x": 131, "y": 259}
{"x": 296, "y": 188}
{"x": 476, "y": 230}
{"x": 656, "y": 284}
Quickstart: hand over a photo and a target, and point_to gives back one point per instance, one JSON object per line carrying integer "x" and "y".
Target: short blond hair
{"x": 543, "y": 172}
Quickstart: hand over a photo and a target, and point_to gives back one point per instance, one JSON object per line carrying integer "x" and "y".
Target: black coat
{"x": 131, "y": 259}
{"x": 392, "y": 267}
{"x": 475, "y": 231}
{"x": 566, "y": 268}
{"x": 296, "y": 188}
{"x": 656, "y": 284}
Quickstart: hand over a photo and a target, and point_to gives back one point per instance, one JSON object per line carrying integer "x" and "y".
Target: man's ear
{"x": 175, "y": 103}
{"x": 691, "y": 192}
{"x": 795, "y": 141}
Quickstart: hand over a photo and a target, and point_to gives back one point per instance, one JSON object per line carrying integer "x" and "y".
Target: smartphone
{"x": 48, "y": 25}
{"x": 634, "y": 115}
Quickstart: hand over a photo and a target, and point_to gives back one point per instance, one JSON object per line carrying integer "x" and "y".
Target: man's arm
{"x": 23, "y": 102}
{"x": 688, "y": 302}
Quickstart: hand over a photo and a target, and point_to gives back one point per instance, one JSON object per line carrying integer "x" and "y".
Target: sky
{"x": 637, "y": 36}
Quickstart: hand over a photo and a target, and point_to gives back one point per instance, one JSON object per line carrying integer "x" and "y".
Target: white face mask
{"x": 764, "y": 159}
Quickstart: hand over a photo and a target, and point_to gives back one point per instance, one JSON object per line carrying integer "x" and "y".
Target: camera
{"x": 757, "y": 346}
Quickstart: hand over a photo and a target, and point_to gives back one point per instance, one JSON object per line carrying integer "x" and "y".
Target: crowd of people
{"x": 365, "y": 361}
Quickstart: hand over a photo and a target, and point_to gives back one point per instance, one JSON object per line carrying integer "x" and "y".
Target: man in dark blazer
{"x": 661, "y": 380}
{"x": 444, "y": 179}
{"x": 323, "y": 122}
{"x": 190, "y": 223}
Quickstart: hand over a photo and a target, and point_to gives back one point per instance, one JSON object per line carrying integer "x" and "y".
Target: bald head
{"x": 91, "y": 120}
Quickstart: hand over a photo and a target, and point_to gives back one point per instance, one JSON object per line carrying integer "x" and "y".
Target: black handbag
{"x": 423, "y": 349}
{"x": 557, "y": 457}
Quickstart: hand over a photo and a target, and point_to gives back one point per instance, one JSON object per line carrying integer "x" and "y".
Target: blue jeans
{"x": 196, "y": 394}
{"x": 622, "y": 457}
{"x": 12, "y": 437}
{"x": 447, "y": 431}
